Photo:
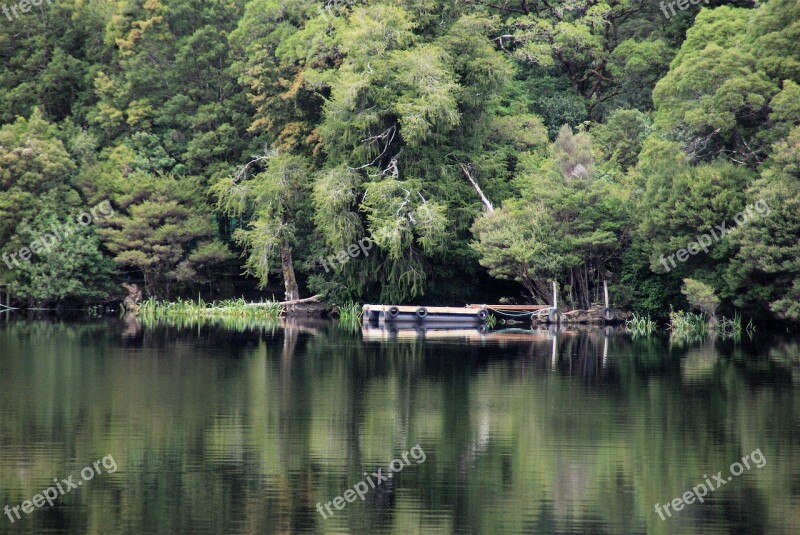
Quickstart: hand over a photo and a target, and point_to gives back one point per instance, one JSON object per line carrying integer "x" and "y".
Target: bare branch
{"x": 241, "y": 173}
{"x": 484, "y": 200}
{"x": 389, "y": 134}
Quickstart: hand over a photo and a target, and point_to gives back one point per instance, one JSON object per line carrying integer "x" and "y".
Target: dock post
{"x": 554, "y": 316}
{"x": 7, "y": 308}
{"x": 608, "y": 314}
{"x": 555, "y": 296}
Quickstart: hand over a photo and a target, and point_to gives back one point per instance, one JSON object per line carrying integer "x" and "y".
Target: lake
{"x": 246, "y": 428}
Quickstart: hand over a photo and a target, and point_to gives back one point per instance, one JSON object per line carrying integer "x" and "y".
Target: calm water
{"x": 244, "y": 430}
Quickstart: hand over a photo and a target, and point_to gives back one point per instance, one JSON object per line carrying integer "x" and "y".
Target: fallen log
{"x": 309, "y": 306}
{"x": 313, "y": 299}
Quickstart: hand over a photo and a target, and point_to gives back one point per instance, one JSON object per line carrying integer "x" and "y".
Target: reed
{"x": 727, "y": 327}
{"x": 350, "y": 317}
{"x": 350, "y": 312}
{"x": 687, "y": 323}
{"x": 230, "y": 308}
{"x": 641, "y": 325}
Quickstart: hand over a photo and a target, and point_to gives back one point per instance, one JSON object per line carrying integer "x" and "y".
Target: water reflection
{"x": 244, "y": 429}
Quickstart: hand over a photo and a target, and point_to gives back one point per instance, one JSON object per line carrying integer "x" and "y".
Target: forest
{"x": 482, "y": 148}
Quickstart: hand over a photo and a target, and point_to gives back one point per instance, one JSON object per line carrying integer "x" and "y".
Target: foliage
{"x": 620, "y": 138}
{"x": 74, "y": 269}
{"x": 606, "y": 136}
{"x": 701, "y": 296}
{"x": 159, "y": 229}
{"x": 686, "y": 324}
{"x": 765, "y": 271}
{"x": 268, "y": 202}
{"x": 35, "y": 173}
{"x": 517, "y": 242}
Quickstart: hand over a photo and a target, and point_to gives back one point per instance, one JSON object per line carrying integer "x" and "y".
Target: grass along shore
{"x": 232, "y": 308}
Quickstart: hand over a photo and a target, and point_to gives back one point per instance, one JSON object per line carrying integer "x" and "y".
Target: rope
{"x": 521, "y": 314}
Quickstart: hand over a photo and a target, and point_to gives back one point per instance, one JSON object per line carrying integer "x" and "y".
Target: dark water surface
{"x": 245, "y": 429}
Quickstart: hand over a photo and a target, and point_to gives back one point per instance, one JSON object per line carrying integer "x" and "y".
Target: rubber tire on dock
{"x": 482, "y": 315}
{"x": 609, "y": 314}
{"x": 393, "y": 312}
{"x": 554, "y": 316}
{"x": 421, "y": 313}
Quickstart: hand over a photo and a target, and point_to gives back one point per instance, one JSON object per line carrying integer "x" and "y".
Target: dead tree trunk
{"x": 484, "y": 200}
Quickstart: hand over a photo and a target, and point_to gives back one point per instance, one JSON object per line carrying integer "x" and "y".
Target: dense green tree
{"x": 679, "y": 203}
{"x": 171, "y": 80}
{"x": 518, "y": 242}
{"x": 35, "y": 174}
{"x": 574, "y": 235}
{"x": 67, "y": 263}
{"x": 162, "y": 228}
{"x": 274, "y": 50}
{"x": 701, "y": 296}
{"x": 48, "y": 56}
{"x": 619, "y": 140}
{"x": 610, "y": 53}
{"x": 766, "y": 269}
{"x": 399, "y": 103}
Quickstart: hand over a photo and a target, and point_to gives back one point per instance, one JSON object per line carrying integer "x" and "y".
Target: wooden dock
{"x": 420, "y": 314}
{"x": 477, "y": 314}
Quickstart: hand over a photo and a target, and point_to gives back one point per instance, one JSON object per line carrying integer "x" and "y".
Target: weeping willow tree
{"x": 405, "y": 110}
{"x": 264, "y": 204}
{"x": 394, "y": 215}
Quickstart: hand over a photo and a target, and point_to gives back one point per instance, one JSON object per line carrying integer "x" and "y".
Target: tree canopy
{"x": 243, "y": 140}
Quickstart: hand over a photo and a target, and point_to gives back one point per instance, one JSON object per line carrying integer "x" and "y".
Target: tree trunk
{"x": 289, "y": 280}
{"x": 133, "y": 301}
{"x": 587, "y": 296}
